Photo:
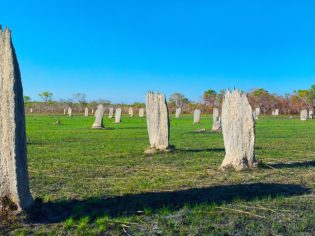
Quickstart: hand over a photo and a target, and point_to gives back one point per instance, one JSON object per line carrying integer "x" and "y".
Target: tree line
{"x": 287, "y": 104}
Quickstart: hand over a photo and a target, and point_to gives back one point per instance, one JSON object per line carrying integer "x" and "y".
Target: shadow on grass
{"x": 198, "y": 131}
{"x": 132, "y": 128}
{"x": 294, "y": 165}
{"x": 102, "y": 129}
{"x": 128, "y": 205}
{"x": 205, "y": 150}
{"x": 200, "y": 150}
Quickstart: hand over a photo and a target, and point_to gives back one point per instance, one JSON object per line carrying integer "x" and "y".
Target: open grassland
{"x": 89, "y": 182}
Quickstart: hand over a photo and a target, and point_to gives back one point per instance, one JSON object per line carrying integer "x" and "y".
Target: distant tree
{"x": 259, "y": 92}
{"x": 209, "y": 96}
{"x": 178, "y": 99}
{"x": 295, "y": 103}
{"x": 103, "y": 102}
{"x": 303, "y": 93}
{"x": 138, "y": 104}
{"x": 69, "y": 102}
{"x": 27, "y": 99}
{"x": 262, "y": 98}
{"x": 312, "y": 93}
{"x": 46, "y": 96}
{"x": 306, "y": 96}
{"x": 219, "y": 98}
{"x": 80, "y": 98}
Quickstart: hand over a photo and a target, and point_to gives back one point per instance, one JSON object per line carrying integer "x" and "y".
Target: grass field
{"x": 89, "y": 182}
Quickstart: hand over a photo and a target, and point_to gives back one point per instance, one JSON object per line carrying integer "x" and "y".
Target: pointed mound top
{"x": 157, "y": 93}
{"x": 6, "y": 41}
{"x": 234, "y": 94}
{"x": 5, "y": 32}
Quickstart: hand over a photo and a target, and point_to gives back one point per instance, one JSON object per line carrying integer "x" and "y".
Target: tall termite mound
{"x": 14, "y": 180}
{"x": 238, "y": 128}
{"x": 157, "y": 122}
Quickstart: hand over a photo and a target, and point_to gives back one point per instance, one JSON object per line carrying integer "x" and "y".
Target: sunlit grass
{"x": 97, "y": 181}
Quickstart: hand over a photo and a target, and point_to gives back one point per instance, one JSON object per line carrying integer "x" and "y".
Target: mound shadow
{"x": 196, "y": 150}
{"x": 200, "y": 150}
{"x": 132, "y": 204}
{"x": 102, "y": 129}
{"x": 293, "y": 165}
{"x": 132, "y": 128}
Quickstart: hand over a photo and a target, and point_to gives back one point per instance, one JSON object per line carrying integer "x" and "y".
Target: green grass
{"x": 89, "y": 182}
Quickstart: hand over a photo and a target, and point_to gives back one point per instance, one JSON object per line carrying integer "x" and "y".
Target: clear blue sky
{"x": 118, "y": 50}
